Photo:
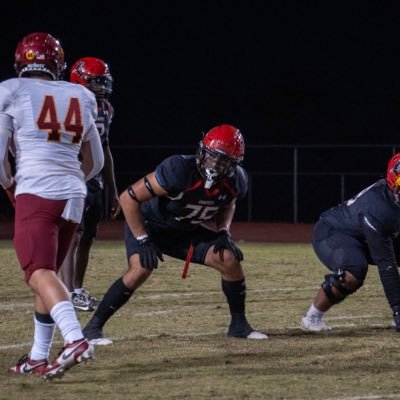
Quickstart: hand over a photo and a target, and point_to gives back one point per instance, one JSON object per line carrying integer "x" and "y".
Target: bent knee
{"x": 223, "y": 259}
{"x": 226, "y": 264}
{"x": 353, "y": 280}
{"x": 339, "y": 285}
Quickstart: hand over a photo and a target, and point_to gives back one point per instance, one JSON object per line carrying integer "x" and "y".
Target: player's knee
{"x": 339, "y": 285}
{"x": 224, "y": 260}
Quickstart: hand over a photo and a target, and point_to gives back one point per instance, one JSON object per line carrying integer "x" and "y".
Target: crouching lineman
{"x": 363, "y": 230}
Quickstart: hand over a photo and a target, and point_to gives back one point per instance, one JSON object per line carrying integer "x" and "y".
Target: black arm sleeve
{"x": 382, "y": 253}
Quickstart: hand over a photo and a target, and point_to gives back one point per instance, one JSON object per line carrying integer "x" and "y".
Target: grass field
{"x": 170, "y": 339}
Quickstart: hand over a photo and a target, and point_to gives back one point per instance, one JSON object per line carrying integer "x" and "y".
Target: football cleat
{"x": 71, "y": 355}
{"x": 313, "y": 324}
{"x": 244, "y": 330}
{"x": 81, "y": 302}
{"x": 257, "y": 336}
{"x": 94, "y": 302}
{"x": 95, "y": 335}
{"x": 84, "y": 301}
{"x": 27, "y": 366}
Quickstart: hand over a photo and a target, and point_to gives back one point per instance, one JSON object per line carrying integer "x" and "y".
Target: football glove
{"x": 224, "y": 241}
{"x": 149, "y": 253}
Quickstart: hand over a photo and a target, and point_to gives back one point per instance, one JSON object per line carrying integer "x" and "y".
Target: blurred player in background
{"x": 361, "y": 231}
{"x": 95, "y": 75}
{"x": 46, "y": 122}
{"x": 165, "y": 212}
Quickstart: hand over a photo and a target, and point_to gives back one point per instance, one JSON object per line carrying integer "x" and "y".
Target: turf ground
{"x": 170, "y": 339}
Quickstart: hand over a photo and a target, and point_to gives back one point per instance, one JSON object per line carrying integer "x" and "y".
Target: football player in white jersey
{"x": 45, "y": 123}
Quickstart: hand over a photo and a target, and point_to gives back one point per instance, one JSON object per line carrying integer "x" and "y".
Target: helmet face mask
{"x": 101, "y": 86}
{"x": 220, "y": 151}
{"x": 39, "y": 53}
{"x": 94, "y": 74}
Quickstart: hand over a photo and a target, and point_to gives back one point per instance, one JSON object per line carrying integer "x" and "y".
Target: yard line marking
{"x": 12, "y": 306}
{"x": 368, "y": 397}
{"x": 119, "y": 338}
{"x": 14, "y": 346}
{"x": 192, "y": 294}
{"x": 350, "y": 317}
{"x": 151, "y": 313}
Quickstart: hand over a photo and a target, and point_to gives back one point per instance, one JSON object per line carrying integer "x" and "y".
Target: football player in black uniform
{"x": 363, "y": 230}
{"x": 165, "y": 212}
{"x": 94, "y": 74}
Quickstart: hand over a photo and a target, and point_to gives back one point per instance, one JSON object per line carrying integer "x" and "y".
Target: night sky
{"x": 284, "y": 72}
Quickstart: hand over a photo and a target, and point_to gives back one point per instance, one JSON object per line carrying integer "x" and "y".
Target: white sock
{"x": 64, "y": 315}
{"x": 314, "y": 312}
{"x": 42, "y": 340}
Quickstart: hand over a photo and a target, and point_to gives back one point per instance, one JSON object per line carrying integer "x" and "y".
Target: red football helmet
{"x": 94, "y": 74}
{"x": 220, "y": 151}
{"x": 393, "y": 172}
{"x": 39, "y": 52}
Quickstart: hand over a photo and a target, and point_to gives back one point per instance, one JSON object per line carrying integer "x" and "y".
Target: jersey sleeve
{"x": 380, "y": 244}
{"x": 6, "y": 95}
{"x": 6, "y": 123}
{"x": 90, "y": 106}
{"x": 173, "y": 175}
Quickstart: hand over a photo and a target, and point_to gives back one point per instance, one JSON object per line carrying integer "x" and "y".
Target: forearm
{"x": 224, "y": 218}
{"x": 391, "y": 284}
{"x": 382, "y": 253}
{"x": 108, "y": 172}
{"x": 93, "y": 158}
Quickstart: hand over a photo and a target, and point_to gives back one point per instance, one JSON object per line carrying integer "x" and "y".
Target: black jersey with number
{"x": 105, "y": 113}
{"x": 188, "y": 202}
{"x": 372, "y": 216}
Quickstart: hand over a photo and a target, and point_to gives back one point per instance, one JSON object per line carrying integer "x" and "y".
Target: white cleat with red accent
{"x": 72, "y": 354}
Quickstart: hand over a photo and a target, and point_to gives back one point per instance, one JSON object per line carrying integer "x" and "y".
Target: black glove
{"x": 396, "y": 317}
{"x": 224, "y": 241}
{"x": 148, "y": 253}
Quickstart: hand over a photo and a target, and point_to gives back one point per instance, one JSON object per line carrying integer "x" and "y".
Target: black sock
{"x": 44, "y": 318}
{"x": 235, "y": 292}
{"x": 117, "y": 295}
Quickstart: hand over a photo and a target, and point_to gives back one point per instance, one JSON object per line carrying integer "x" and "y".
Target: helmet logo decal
{"x": 30, "y": 55}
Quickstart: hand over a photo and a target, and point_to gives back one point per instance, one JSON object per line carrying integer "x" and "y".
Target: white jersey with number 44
{"x": 49, "y": 121}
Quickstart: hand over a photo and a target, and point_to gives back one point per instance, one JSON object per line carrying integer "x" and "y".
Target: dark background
{"x": 284, "y": 72}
